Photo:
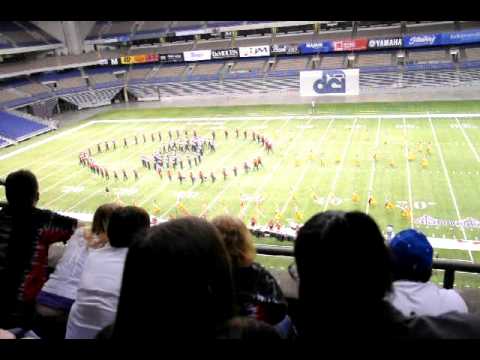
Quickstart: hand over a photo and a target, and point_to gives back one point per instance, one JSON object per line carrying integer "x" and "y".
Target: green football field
{"x": 319, "y": 162}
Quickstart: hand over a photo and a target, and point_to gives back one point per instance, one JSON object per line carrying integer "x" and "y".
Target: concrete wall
{"x": 293, "y": 97}
{"x": 52, "y": 28}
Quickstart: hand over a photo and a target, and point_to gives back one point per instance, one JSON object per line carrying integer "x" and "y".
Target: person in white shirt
{"x": 59, "y": 292}
{"x": 413, "y": 294}
{"x": 95, "y": 306}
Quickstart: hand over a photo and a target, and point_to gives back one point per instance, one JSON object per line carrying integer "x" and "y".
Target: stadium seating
{"x": 248, "y": 66}
{"x": 19, "y": 128}
{"x": 375, "y": 59}
{"x": 24, "y": 33}
{"x": 186, "y": 25}
{"x": 332, "y": 62}
{"x": 296, "y": 63}
{"x": 433, "y": 56}
{"x": 71, "y": 83}
{"x": 430, "y": 28}
{"x": 91, "y": 99}
{"x": 207, "y": 69}
{"x": 383, "y": 31}
{"x": 472, "y": 54}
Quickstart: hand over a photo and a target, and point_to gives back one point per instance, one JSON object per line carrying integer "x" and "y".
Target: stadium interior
{"x": 57, "y": 76}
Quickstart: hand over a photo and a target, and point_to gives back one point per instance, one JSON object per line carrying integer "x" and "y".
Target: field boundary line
{"x": 409, "y": 175}
{"x": 277, "y": 165}
{"x": 44, "y": 141}
{"x": 374, "y": 166}
{"x": 340, "y": 166}
{"x": 452, "y": 194}
{"x": 305, "y": 170}
{"x": 468, "y": 140}
{"x": 191, "y": 188}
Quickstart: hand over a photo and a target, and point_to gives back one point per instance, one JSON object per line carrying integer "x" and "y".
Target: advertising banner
{"x": 225, "y": 53}
{"x": 349, "y": 45}
{"x": 316, "y": 47}
{"x": 170, "y": 58}
{"x": 197, "y": 55}
{"x": 139, "y": 59}
{"x": 385, "y": 43}
{"x": 284, "y": 50}
{"x": 330, "y": 82}
{"x": 460, "y": 37}
{"x": 421, "y": 40}
{"x": 254, "y": 51}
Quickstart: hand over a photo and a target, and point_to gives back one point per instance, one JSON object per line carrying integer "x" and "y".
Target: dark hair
{"x": 245, "y": 328}
{"x": 177, "y": 283}
{"x": 344, "y": 267}
{"x": 21, "y": 189}
{"x": 102, "y": 216}
{"x": 126, "y": 225}
{"x": 402, "y": 272}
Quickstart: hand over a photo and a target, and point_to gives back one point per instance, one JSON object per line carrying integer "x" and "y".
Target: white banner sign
{"x": 197, "y": 55}
{"x": 329, "y": 82}
{"x": 254, "y": 51}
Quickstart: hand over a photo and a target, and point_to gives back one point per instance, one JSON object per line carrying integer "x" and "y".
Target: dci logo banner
{"x": 329, "y": 82}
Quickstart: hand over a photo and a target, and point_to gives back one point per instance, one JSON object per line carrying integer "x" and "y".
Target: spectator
{"x": 345, "y": 295}
{"x": 59, "y": 292}
{"x": 177, "y": 284}
{"x": 258, "y": 294}
{"x": 25, "y": 236}
{"x": 413, "y": 293}
{"x": 97, "y": 296}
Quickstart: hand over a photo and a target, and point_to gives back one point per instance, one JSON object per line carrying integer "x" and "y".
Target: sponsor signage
{"x": 468, "y": 223}
{"x": 315, "y": 47}
{"x": 385, "y": 43}
{"x": 197, "y": 55}
{"x": 421, "y": 40}
{"x": 329, "y": 82}
{"x": 460, "y": 37}
{"x": 225, "y": 53}
{"x": 349, "y": 45}
{"x": 254, "y": 51}
{"x": 170, "y": 58}
{"x": 139, "y": 59}
{"x": 284, "y": 49}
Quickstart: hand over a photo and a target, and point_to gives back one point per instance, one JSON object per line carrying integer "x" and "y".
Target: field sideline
{"x": 320, "y": 162}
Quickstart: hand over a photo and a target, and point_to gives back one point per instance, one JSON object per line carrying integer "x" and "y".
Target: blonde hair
{"x": 237, "y": 239}
{"x": 101, "y": 218}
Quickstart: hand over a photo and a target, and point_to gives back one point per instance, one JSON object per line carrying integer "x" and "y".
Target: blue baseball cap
{"x": 411, "y": 250}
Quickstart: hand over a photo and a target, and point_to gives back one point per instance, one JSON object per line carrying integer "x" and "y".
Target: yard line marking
{"x": 409, "y": 176}
{"x": 101, "y": 189}
{"x": 78, "y": 148}
{"x": 134, "y": 153}
{"x": 374, "y": 165}
{"x": 220, "y": 193}
{"x": 445, "y": 171}
{"x": 340, "y": 166}
{"x": 44, "y": 141}
{"x": 75, "y": 173}
{"x": 156, "y": 193}
{"x": 306, "y": 168}
{"x": 277, "y": 165}
{"x": 468, "y": 140}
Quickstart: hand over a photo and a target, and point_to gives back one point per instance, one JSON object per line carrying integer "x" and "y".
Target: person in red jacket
{"x": 25, "y": 236}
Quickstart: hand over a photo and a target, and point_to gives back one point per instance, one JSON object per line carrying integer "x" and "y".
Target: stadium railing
{"x": 448, "y": 266}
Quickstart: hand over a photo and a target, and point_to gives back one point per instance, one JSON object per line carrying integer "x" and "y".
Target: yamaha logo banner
{"x": 254, "y": 51}
{"x": 385, "y": 43}
{"x": 329, "y": 82}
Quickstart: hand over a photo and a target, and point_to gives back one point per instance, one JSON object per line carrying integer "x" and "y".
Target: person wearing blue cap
{"x": 413, "y": 293}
